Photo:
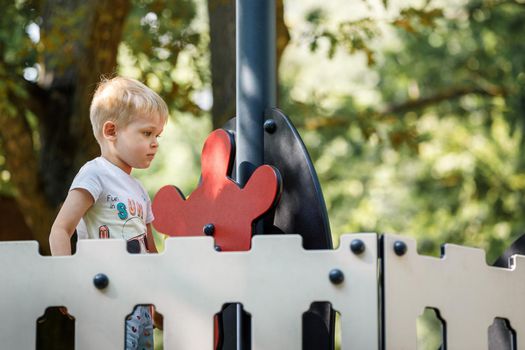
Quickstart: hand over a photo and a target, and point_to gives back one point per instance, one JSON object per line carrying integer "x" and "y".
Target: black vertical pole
{"x": 256, "y": 81}
{"x": 256, "y": 91}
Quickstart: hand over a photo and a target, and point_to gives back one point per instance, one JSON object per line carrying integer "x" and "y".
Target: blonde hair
{"x": 122, "y": 100}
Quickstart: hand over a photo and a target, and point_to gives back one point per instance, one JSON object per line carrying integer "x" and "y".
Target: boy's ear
{"x": 109, "y": 130}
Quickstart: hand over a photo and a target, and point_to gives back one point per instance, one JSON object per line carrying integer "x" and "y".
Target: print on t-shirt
{"x": 133, "y": 228}
{"x": 134, "y": 207}
{"x": 122, "y": 208}
{"x": 137, "y": 243}
{"x": 103, "y": 232}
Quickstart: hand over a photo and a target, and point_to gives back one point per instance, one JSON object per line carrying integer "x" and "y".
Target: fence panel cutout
{"x": 468, "y": 293}
{"x": 276, "y": 281}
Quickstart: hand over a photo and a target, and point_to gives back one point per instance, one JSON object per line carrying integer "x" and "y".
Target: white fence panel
{"x": 188, "y": 283}
{"x": 468, "y": 293}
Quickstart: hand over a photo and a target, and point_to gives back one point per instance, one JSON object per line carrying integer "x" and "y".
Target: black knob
{"x": 270, "y": 126}
{"x": 218, "y": 248}
{"x": 400, "y": 248}
{"x": 336, "y": 276}
{"x": 208, "y": 229}
{"x": 357, "y": 246}
{"x": 100, "y": 281}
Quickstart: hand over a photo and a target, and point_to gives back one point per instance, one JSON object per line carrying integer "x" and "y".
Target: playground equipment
{"x": 276, "y": 277}
{"x": 287, "y": 278}
{"x": 378, "y": 283}
{"x": 276, "y": 281}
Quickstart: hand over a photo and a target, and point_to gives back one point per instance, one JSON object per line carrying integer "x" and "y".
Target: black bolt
{"x": 270, "y": 126}
{"x": 336, "y": 276}
{"x": 357, "y": 246}
{"x": 218, "y": 248}
{"x": 400, "y": 248}
{"x": 208, "y": 229}
{"x": 100, "y": 281}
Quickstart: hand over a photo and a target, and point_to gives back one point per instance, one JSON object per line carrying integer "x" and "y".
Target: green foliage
{"x": 15, "y": 45}
{"x": 60, "y": 36}
{"x": 16, "y": 53}
{"x": 412, "y": 19}
{"x": 357, "y": 36}
{"x": 429, "y": 331}
{"x": 465, "y": 66}
{"x": 35, "y": 36}
{"x": 353, "y": 36}
{"x": 156, "y": 33}
{"x": 437, "y": 153}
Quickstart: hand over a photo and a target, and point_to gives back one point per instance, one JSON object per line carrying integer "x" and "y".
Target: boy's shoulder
{"x": 94, "y": 166}
{"x": 103, "y": 169}
{"x": 140, "y": 185}
{"x": 102, "y": 174}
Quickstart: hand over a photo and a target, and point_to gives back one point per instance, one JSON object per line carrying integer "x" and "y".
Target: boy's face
{"x": 136, "y": 143}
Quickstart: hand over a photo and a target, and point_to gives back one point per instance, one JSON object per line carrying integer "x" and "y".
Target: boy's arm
{"x": 77, "y": 202}
{"x": 152, "y": 248}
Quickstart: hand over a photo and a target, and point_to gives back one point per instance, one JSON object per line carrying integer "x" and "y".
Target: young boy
{"x": 104, "y": 200}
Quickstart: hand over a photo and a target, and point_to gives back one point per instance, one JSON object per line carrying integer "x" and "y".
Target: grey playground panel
{"x": 188, "y": 283}
{"x": 468, "y": 293}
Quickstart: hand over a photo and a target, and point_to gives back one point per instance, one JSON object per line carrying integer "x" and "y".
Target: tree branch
{"x": 439, "y": 97}
{"x": 410, "y": 105}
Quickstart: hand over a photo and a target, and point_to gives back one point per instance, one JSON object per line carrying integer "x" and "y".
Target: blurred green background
{"x": 412, "y": 111}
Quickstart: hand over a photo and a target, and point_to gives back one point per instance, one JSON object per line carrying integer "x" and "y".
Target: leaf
{"x": 316, "y": 16}
{"x": 405, "y": 24}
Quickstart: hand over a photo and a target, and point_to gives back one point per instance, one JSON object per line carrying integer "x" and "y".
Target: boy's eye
{"x": 146, "y": 133}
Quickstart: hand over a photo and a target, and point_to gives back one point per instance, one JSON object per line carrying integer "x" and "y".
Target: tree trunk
{"x": 21, "y": 161}
{"x": 70, "y": 90}
{"x": 13, "y": 226}
{"x": 105, "y": 35}
{"x": 283, "y": 35}
{"x": 60, "y": 100}
{"x": 222, "y": 46}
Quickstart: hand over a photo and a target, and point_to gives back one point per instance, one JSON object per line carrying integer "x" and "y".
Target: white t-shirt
{"x": 122, "y": 207}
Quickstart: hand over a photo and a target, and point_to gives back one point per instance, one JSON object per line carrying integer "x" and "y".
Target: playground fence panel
{"x": 468, "y": 293}
{"x": 188, "y": 283}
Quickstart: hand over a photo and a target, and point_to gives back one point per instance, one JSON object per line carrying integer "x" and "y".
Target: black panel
{"x": 55, "y": 331}
{"x": 300, "y": 210}
{"x": 229, "y": 334}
